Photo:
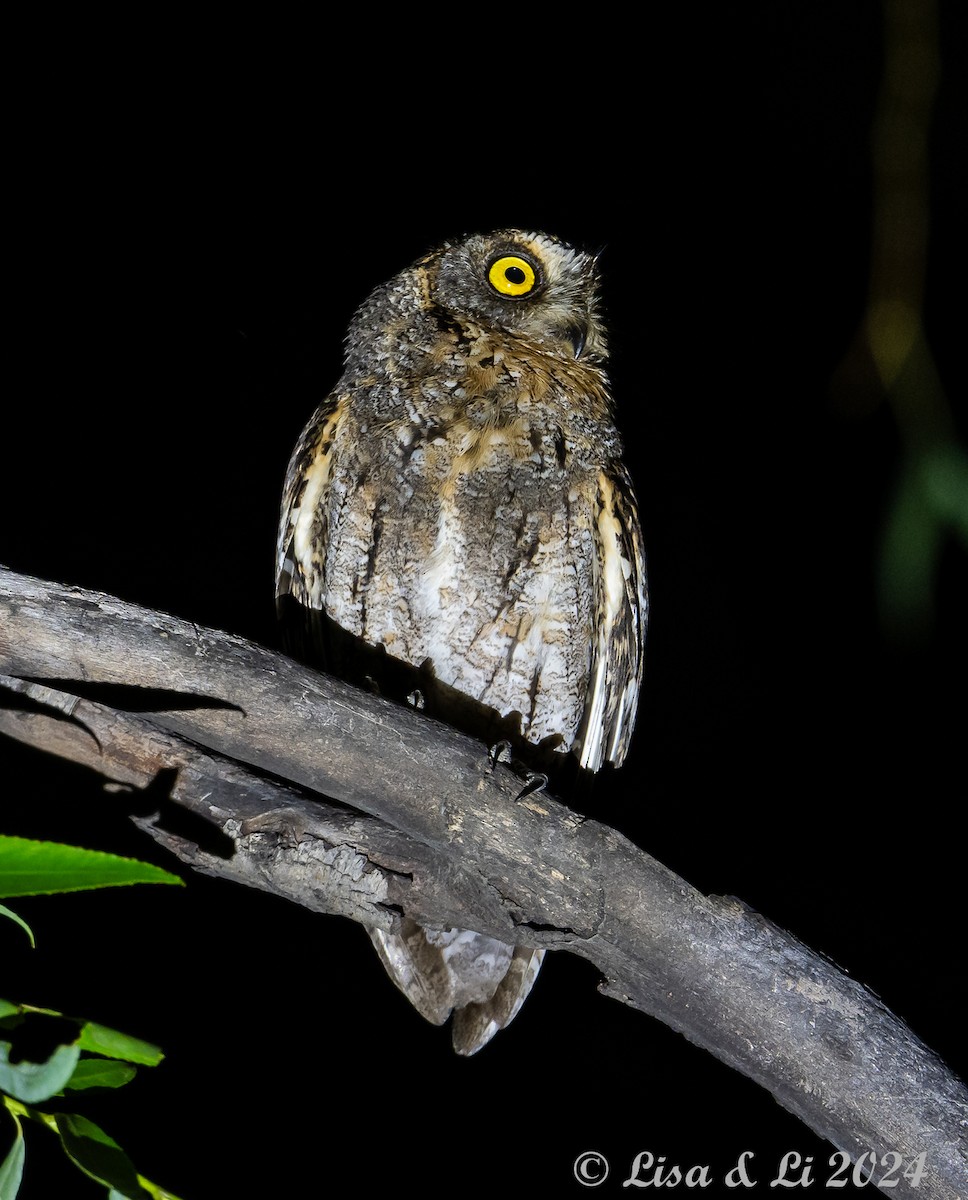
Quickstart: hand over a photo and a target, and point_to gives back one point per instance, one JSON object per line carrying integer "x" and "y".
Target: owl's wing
{"x": 304, "y": 526}
{"x": 621, "y": 610}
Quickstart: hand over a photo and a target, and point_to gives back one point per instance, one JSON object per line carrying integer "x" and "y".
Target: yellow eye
{"x": 511, "y": 275}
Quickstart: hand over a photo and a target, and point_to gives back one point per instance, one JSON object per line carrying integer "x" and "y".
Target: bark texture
{"x": 345, "y": 803}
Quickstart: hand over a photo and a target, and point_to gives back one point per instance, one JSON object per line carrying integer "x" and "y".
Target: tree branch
{"x": 417, "y": 820}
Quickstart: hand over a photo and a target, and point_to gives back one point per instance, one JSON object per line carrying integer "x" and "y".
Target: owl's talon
{"x": 537, "y": 782}
{"x": 499, "y": 752}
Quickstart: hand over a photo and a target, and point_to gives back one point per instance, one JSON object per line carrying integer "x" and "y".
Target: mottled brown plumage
{"x": 457, "y": 518}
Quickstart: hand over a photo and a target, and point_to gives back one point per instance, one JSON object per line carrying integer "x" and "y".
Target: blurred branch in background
{"x": 891, "y": 358}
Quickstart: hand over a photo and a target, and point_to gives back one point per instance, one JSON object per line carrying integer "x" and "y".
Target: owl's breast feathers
{"x": 460, "y": 501}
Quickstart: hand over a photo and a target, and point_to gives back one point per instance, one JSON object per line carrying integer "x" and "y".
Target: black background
{"x": 192, "y": 238}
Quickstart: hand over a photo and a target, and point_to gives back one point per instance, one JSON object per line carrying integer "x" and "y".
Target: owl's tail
{"x": 481, "y": 981}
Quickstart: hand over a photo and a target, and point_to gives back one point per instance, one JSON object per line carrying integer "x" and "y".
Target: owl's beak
{"x": 577, "y": 334}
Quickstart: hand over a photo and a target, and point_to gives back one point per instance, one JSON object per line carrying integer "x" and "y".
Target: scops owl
{"x": 458, "y": 526}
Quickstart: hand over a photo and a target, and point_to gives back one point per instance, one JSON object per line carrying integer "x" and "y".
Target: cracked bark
{"x": 345, "y": 803}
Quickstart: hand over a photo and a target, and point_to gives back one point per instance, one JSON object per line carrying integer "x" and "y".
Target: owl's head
{"x": 529, "y": 284}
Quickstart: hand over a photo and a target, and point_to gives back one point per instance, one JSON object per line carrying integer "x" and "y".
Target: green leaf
{"x": 33, "y": 1082}
{"x": 12, "y": 1167}
{"x": 5, "y": 912}
{"x": 91, "y": 1036}
{"x": 99, "y": 1039}
{"x": 99, "y": 1155}
{"x": 8, "y": 1009}
{"x": 29, "y": 868}
{"x": 153, "y": 1190}
{"x": 100, "y": 1073}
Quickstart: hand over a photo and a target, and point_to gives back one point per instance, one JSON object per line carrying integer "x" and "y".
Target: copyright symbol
{"x": 591, "y": 1168}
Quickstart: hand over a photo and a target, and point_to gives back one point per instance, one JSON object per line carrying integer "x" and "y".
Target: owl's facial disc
{"x": 527, "y": 284}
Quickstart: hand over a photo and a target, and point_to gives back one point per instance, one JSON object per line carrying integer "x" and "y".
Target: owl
{"x": 458, "y": 530}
